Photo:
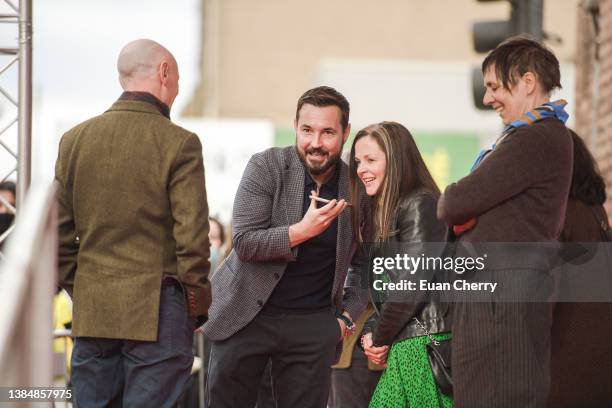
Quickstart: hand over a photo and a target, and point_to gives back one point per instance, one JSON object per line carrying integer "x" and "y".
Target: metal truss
{"x": 20, "y": 54}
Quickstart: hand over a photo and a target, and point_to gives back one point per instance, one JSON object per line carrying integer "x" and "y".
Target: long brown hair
{"x": 405, "y": 171}
{"x": 587, "y": 184}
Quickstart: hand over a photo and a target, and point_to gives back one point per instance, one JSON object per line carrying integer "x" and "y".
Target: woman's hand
{"x": 377, "y": 355}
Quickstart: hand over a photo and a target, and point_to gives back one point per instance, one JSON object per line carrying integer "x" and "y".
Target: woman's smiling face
{"x": 371, "y": 164}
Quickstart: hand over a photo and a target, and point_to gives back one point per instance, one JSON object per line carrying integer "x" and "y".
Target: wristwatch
{"x": 348, "y": 322}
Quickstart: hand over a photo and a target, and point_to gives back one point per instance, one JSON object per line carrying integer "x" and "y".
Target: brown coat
{"x": 519, "y": 192}
{"x": 132, "y": 208}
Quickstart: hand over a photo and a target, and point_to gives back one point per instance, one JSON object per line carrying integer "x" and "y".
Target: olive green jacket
{"x": 132, "y": 209}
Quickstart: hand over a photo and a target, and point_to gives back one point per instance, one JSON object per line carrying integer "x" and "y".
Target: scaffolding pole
{"x": 25, "y": 100}
{"x": 21, "y": 54}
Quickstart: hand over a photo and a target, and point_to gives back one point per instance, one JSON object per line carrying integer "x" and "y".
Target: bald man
{"x": 133, "y": 236}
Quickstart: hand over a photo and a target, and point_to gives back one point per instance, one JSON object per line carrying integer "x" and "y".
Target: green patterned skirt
{"x": 408, "y": 380}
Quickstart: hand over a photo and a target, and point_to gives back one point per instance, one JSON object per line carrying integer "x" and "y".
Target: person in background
{"x": 62, "y": 320}
{"x": 8, "y": 195}
{"x": 354, "y": 377}
{"x": 7, "y": 215}
{"x": 403, "y": 196}
{"x": 216, "y": 236}
{"x": 581, "y": 356}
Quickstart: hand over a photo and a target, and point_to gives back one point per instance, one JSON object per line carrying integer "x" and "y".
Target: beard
{"x": 317, "y": 169}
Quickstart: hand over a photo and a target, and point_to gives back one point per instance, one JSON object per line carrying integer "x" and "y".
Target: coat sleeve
{"x": 189, "y": 206}
{"x": 254, "y": 239}
{"x": 515, "y": 165}
{"x": 68, "y": 244}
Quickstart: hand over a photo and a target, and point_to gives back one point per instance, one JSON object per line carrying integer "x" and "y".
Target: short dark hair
{"x": 323, "y": 96}
{"x": 520, "y": 54}
{"x": 587, "y": 184}
{"x": 8, "y": 186}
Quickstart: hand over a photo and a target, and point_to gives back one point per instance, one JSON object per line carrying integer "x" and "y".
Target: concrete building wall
{"x": 594, "y": 88}
{"x": 259, "y": 56}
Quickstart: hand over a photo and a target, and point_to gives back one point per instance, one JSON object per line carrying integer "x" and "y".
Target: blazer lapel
{"x": 294, "y": 182}
{"x": 344, "y": 241}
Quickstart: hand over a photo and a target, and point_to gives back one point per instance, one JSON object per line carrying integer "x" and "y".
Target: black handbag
{"x": 439, "y": 356}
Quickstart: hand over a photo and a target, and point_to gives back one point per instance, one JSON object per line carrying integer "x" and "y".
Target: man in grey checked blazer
{"x": 283, "y": 294}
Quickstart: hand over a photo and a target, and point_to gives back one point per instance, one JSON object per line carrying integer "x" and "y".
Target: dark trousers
{"x": 265, "y": 398}
{"x": 501, "y": 355}
{"x": 581, "y": 357}
{"x": 127, "y": 373}
{"x": 265, "y": 395}
{"x": 301, "y": 349}
{"x": 353, "y": 386}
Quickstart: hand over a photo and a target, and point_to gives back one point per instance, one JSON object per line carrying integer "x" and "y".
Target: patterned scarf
{"x": 554, "y": 109}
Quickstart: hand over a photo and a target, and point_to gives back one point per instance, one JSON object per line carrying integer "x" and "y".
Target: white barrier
{"x": 28, "y": 275}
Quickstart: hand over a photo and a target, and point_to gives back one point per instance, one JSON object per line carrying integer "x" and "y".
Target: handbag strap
{"x": 603, "y": 224}
{"x": 427, "y": 333}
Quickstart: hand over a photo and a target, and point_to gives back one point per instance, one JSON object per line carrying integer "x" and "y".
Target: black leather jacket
{"x": 415, "y": 222}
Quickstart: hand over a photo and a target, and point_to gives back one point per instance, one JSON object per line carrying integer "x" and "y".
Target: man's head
{"x": 321, "y": 128}
{"x": 146, "y": 66}
{"x": 8, "y": 192}
{"x": 519, "y": 75}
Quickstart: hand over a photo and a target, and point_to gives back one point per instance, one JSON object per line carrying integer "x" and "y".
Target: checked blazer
{"x": 269, "y": 199}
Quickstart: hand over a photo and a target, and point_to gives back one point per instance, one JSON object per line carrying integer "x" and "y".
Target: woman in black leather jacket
{"x": 402, "y": 213}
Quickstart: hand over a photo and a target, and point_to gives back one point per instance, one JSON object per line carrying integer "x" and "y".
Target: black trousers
{"x": 353, "y": 386}
{"x": 301, "y": 349}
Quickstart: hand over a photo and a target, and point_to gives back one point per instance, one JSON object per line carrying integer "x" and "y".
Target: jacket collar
{"x": 140, "y": 102}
